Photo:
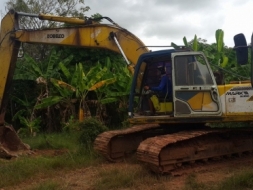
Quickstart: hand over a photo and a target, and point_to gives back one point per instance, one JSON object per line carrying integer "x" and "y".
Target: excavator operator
{"x": 162, "y": 91}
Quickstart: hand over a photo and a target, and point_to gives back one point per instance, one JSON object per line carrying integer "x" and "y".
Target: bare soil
{"x": 209, "y": 173}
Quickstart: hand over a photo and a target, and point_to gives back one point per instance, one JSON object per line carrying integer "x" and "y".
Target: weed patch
{"x": 243, "y": 180}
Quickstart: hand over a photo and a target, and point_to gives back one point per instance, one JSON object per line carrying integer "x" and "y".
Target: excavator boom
{"x": 83, "y": 36}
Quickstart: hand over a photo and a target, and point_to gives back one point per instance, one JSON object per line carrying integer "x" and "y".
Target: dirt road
{"x": 88, "y": 178}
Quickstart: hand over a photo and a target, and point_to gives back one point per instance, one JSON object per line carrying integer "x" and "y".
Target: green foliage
{"x": 30, "y": 124}
{"x": 56, "y": 7}
{"x": 185, "y": 42}
{"x": 41, "y": 72}
{"x": 221, "y": 58}
{"x": 175, "y": 46}
{"x": 195, "y": 44}
{"x": 90, "y": 129}
{"x": 55, "y": 141}
{"x": 219, "y": 35}
{"x": 71, "y": 125}
{"x": 243, "y": 180}
{"x": 31, "y": 127}
{"x": 192, "y": 183}
{"x": 49, "y": 101}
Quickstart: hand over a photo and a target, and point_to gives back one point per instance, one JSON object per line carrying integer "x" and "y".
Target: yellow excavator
{"x": 177, "y": 133}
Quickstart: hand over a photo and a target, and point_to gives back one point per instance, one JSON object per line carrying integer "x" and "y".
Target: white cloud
{"x": 160, "y": 22}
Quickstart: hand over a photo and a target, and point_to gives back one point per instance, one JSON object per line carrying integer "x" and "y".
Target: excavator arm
{"x": 83, "y": 34}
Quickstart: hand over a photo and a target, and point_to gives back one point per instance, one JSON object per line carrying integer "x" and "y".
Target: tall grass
{"x": 54, "y": 141}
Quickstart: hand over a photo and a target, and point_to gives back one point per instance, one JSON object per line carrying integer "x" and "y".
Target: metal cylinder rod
{"x": 27, "y": 14}
{"x": 120, "y": 49}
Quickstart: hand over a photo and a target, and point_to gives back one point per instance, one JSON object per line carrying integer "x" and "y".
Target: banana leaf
{"x": 50, "y": 66}
{"x": 108, "y": 62}
{"x": 195, "y": 43}
{"x": 219, "y": 34}
{"x": 102, "y": 83}
{"x": 97, "y": 77}
{"x": 64, "y": 70}
{"x": 63, "y": 84}
{"x": 37, "y": 71}
{"x": 49, "y": 101}
{"x": 225, "y": 61}
{"x": 117, "y": 94}
{"x": 108, "y": 100}
{"x": 185, "y": 42}
{"x": 175, "y": 46}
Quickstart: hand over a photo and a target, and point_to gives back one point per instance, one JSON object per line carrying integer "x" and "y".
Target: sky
{"x": 160, "y": 22}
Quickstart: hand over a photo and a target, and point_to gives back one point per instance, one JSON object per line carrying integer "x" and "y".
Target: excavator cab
{"x": 195, "y": 91}
{"x": 148, "y": 74}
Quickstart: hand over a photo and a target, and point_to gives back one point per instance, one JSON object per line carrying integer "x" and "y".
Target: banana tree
{"x": 65, "y": 99}
{"x": 107, "y": 80}
{"x": 41, "y": 72}
{"x": 215, "y": 53}
{"x": 77, "y": 86}
{"x": 30, "y": 123}
{"x": 117, "y": 92}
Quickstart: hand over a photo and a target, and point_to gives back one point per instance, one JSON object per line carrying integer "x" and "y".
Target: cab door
{"x": 195, "y": 91}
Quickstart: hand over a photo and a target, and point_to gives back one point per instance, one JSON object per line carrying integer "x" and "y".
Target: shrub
{"x": 90, "y": 129}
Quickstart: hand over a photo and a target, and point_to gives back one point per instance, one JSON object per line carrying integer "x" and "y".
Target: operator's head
{"x": 161, "y": 69}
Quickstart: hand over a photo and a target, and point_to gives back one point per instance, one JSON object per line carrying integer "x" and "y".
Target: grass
{"x": 192, "y": 183}
{"x": 128, "y": 176}
{"x": 48, "y": 185}
{"x": 137, "y": 177}
{"x": 54, "y": 141}
{"x": 20, "y": 169}
{"x": 242, "y": 181}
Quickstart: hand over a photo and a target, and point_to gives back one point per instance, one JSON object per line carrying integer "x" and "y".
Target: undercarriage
{"x": 164, "y": 151}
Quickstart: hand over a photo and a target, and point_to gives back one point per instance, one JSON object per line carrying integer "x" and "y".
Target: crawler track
{"x": 118, "y": 144}
{"x": 166, "y": 153}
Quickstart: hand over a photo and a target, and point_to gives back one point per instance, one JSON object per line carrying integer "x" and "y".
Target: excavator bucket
{"x": 10, "y": 144}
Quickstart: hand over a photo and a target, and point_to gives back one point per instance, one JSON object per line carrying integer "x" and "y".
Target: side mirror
{"x": 241, "y": 49}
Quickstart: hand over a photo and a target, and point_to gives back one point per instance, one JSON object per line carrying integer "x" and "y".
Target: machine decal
{"x": 55, "y": 36}
{"x": 238, "y": 99}
{"x": 186, "y": 96}
{"x": 198, "y": 101}
{"x": 240, "y": 93}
